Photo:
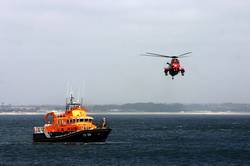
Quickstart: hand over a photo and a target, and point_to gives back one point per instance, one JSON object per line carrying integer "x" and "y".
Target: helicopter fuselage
{"x": 174, "y": 68}
{"x": 173, "y": 73}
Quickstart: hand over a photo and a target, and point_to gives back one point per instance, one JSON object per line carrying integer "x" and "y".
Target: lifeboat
{"x": 72, "y": 125}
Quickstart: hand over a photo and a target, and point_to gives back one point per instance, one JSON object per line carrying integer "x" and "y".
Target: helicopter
{"x": 174, "y": 66}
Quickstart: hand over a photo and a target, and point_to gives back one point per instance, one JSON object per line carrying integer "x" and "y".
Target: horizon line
{"x": 241, "y": 103}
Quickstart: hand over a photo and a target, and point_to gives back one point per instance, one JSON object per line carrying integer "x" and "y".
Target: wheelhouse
{"x": 74, "y": 118}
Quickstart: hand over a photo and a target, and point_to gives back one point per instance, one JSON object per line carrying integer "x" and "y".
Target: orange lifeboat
{"x": 73, "y": 125}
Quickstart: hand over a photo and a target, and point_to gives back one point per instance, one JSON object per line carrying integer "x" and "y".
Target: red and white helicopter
{"x": 174, "y": 67}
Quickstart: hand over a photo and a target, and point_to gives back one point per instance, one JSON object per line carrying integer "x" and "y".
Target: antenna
{"x": 78, "y": 96}
{"x": 71, "y": 95}
{"x": 67, "y": 94}
{"x": 81, "y": 101}
{"x": 82, "y": 91}
{"x": 67, "y": 88}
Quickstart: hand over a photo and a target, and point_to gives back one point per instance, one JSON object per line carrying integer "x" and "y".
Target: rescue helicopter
{"x": 174, "y": 67}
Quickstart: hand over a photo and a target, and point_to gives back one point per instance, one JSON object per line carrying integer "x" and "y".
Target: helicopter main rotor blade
{"x": 182, "y": 55}
{"x": 156, "y": 55}
{"x": 165, "y": 56}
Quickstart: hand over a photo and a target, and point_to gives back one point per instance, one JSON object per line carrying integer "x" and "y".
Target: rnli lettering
{"x": 86, "y": 135}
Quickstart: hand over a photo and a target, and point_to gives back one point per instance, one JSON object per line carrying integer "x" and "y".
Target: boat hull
{"x": 95, "y": 135}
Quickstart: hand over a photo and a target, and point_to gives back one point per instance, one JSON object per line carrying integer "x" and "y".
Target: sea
{"x": 136, "y": 139}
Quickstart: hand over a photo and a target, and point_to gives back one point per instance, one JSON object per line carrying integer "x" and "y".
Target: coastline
{"x": 135, "y": 113}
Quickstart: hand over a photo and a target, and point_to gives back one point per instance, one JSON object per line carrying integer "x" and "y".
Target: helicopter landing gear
{"x": 166, "y": 71}
{"x": 182, "y": 71}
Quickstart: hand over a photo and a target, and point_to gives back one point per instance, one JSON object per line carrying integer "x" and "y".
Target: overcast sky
{"x": 93, "y": 46}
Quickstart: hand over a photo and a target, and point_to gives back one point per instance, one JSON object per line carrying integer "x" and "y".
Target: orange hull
{"x": 73, "y": 120}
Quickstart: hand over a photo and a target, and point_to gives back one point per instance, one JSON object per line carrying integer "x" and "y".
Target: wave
{"x": 40, "y": 112}
{"x": 21, "y": 113}
{"x": 135, "y": 113}
{"x": 170, "y": 113}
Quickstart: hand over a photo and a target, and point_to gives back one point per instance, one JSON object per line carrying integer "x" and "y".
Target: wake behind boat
{"x": 73, "y": 125}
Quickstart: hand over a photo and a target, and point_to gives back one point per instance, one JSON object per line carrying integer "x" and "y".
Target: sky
{"x": 93, "y": 47}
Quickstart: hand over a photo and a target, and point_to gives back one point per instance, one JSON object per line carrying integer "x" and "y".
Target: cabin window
{"x": 74, "y": 120}
{"x": 81, "y": 120}
{"x": 78, "y": 120}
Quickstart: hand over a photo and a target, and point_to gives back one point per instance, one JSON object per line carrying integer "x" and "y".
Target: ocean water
{"x": 135, "y": 140}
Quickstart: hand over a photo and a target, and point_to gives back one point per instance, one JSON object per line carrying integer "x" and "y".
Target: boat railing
{"x": 37, "y": 130}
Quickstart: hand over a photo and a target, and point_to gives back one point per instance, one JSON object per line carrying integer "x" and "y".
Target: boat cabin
{"x": 73, "y": 119}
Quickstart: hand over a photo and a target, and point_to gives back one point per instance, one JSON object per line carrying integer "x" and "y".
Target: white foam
{"x": 169, "y": 113}
{"x": 134, "y": 113}
{"x": 21, "y": 113}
